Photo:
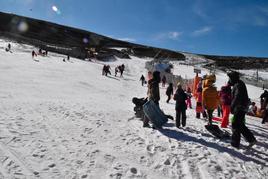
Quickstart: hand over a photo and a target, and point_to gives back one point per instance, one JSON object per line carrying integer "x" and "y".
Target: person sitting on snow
{"x": 252, "y": 110}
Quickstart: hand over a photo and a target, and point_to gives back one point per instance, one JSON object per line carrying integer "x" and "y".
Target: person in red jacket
{"x": 226, "y": 99}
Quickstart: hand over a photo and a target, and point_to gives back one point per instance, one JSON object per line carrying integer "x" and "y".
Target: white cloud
{"x": 168, "y": 35}
{"x": 202, "y": 31}
{"x": 127, "y": 39}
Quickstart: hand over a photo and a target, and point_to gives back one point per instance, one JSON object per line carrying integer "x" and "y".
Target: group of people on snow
{"x": 232, "y": 98}
{"x": 118, "y": 69}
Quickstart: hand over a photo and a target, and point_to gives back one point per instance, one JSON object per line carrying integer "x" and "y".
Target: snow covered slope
{"x": 65, "y": 120}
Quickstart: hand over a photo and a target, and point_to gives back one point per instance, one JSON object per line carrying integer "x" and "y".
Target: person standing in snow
{"x": 142, "y": 79}
{"x": 169, "y": 91}
{"x": 239, "y": 107}
{"x": 164, "y": 80}
{"x": 121, "y": 69}
{"x": 180, "y": 97}
{"x": 115, "y": 71}
{"x": 210, "y": 96}
{"x": 199, "y": 106}
{"x": 189, "y": 96}
{"x": 226, "y": 99}
{"x": 264, "y": 102}
{"x": 33, "y": 54}
{"x": 153, "y": 93}
{"x": 104, "y": 70}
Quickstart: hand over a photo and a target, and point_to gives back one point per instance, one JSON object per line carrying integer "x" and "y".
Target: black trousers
{"x": 265, "y": 116}
{"x": 180, "y": 117}
{"x": 239, "y": 127}
{"x": 210, "y": 115}
{"x": 169, "y": 97}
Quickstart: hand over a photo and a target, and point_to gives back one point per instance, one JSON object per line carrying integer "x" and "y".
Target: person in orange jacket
{"x": 210, "y": 96}
{"x": 226, "y": 99}
{"x": 197, "y": 79}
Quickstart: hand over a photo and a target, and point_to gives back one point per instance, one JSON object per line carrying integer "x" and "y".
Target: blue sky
{"x": 223, "y": 27}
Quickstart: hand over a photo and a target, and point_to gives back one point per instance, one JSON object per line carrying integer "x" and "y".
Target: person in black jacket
{"x": 264, "y": 102}
{"x": 142, "y": 79}
{"x": 239, "y": 107}
{"x": 180, "y": 97}
{"x": 169, "y": 91}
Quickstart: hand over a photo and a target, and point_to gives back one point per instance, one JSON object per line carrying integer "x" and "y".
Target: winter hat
{"x": 156, "y": 76}
{"x": 211, "y": 77}
{"x": 234, "y": 76}
{"x": 179, "y": 85}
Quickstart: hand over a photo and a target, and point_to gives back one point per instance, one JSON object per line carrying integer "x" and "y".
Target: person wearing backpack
{"x": 180, "y": 97}
{"x": 239, "y": 108}
{"x": 226, "y": 99}
{"x": 169, "y": 91}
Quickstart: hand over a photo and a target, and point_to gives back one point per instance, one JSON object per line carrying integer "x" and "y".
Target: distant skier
{"x": 33, "y": 54}
{"x": 104, "y": 70}
{"x": 8, "y": 49}
{"x": 116, "y": 71}
{"x": 108, "y": 68}
{"x": 40, "y": 52}
{"x": 169, "y": 91}
{"x": 121, "y": 69}
{"x": 164, "y": 80}
{"x": 180, "y": 97}
{"x": 239, "y": 107}
{"x": 142, "y": 79}
{"x": 68, "y": 57}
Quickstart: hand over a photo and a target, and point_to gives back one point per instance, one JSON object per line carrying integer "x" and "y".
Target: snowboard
{"x": 217, "y": 132}
{"x": 154, "y": 114}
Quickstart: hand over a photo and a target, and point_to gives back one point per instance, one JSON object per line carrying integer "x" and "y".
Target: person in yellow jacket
{"x": 210, "y": 96}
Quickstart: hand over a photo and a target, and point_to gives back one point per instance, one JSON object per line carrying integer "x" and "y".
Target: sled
{"x": 154, "y": 114}
{"x": 219, "y": 119}
{"x": 217, "y": 132}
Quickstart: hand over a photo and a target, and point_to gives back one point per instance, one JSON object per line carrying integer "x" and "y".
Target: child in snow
{"x": 180, "y": 98}
{"x": 189, "y": 96}
{"x": 210, "y": 96}
{"x": 226, "y": 98}
{"x": 169, "y": 91}
{"x": 252, "y": 111}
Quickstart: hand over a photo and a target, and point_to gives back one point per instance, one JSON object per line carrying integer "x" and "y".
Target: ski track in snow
{"x": 66, "y": 120}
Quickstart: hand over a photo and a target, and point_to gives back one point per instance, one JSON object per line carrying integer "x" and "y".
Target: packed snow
{"x": 66, "y": 120}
